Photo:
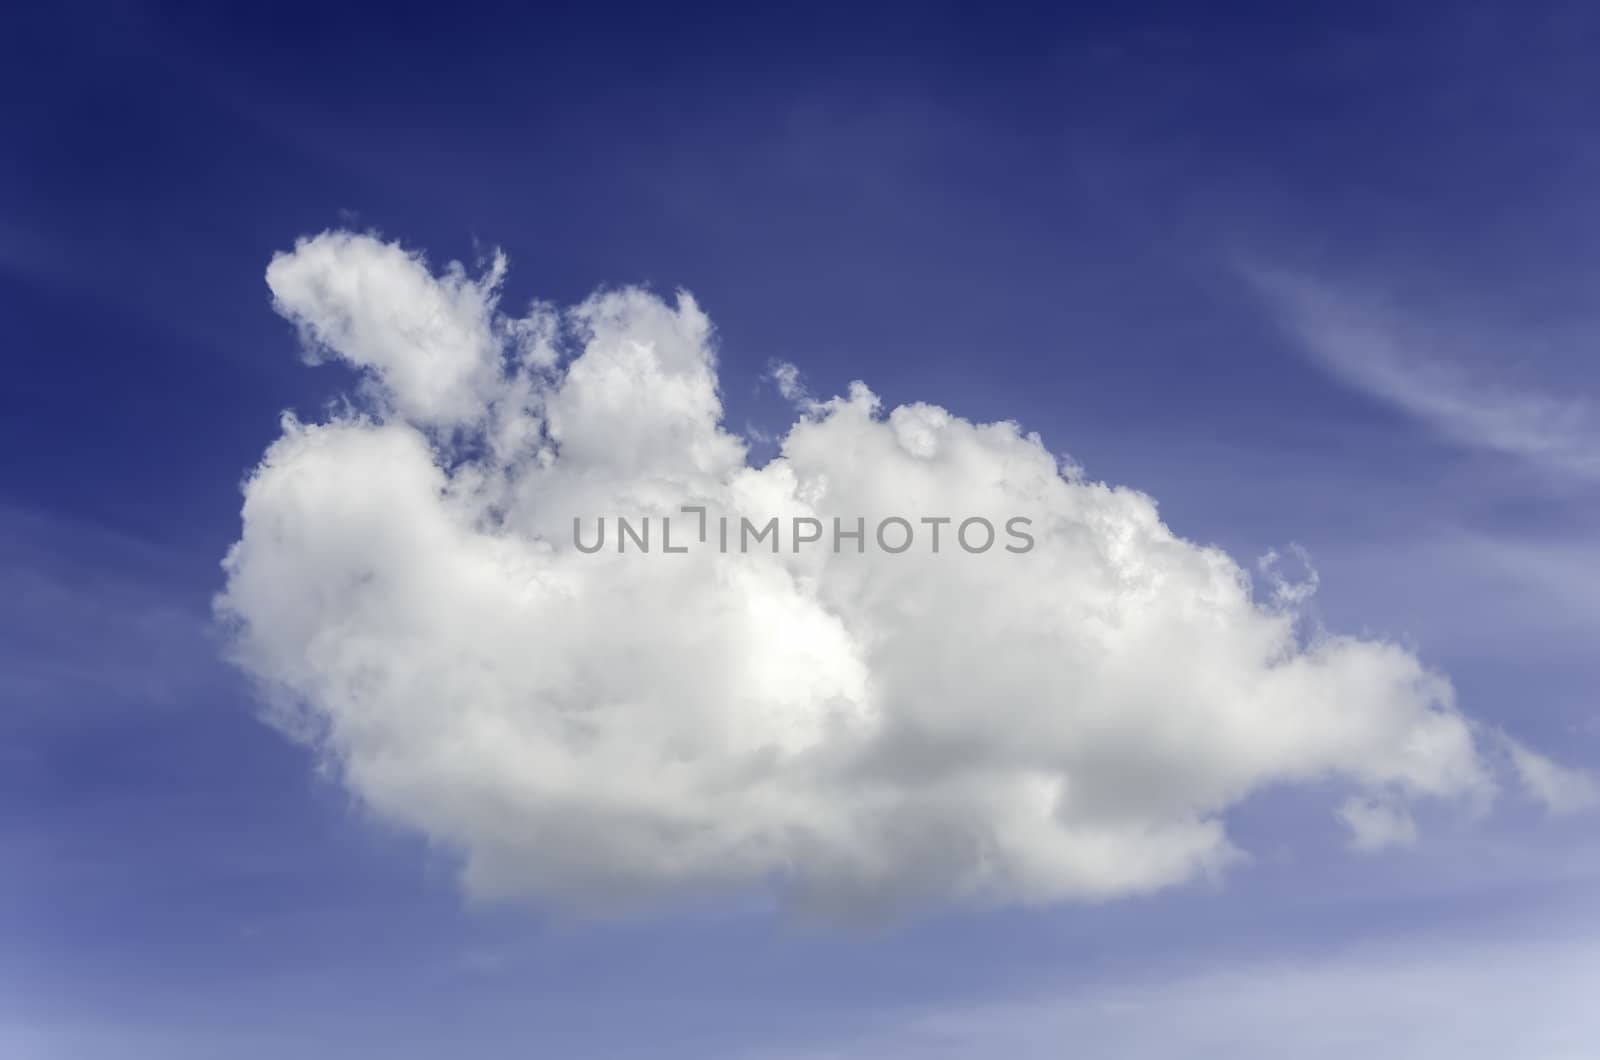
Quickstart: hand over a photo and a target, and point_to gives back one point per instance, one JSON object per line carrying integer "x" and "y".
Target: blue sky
{"x": 1319, "y": 282}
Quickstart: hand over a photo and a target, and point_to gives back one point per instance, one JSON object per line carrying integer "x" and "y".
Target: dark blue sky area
{"x": 960, "y": 197}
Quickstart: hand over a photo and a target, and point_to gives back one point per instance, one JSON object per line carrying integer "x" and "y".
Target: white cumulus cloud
{"x": 860, "y": 730}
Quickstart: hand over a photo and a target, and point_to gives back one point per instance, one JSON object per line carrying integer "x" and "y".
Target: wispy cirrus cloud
{"x": 1470, "y": 999}
{"x": 1424, "y": 369}
{"x": 1561, "y": 789}
{"x": 97, "y": 619}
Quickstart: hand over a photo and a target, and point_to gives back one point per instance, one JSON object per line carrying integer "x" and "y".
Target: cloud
{"x": 1371, "y": 347}
{"x": 1559, "y": 788}
{"x": 1375, "y": 825}
{"x": 1285, "y": 592}
{"x": 856, "y": 730}
{"x": 791, "y": 387}
{"x": 1431, "y": 999}
{"x": 433, "y": 344}
{"x": 97, "y": 621}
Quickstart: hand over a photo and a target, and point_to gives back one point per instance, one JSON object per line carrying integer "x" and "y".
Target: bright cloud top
{"x": 857, "y": 730}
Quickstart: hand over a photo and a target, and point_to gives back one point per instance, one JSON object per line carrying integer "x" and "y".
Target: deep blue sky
{"x": 1036, "y": 215}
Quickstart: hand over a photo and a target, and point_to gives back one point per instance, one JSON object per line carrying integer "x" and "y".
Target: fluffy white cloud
{"x": 855, "y": 729}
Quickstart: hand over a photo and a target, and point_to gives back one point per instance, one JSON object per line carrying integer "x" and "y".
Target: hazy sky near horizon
{"x": 1313, "y": 287}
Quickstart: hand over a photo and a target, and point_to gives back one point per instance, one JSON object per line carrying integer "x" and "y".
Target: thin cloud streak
{"x": 1371, "y": 347}
{"x": 1427, "y": 999}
